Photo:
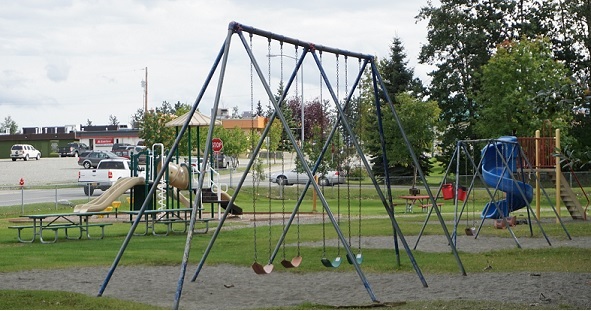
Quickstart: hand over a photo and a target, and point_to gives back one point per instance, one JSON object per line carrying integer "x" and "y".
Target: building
{"x": 49, "y": 139}
{"x": 98, "y": 137}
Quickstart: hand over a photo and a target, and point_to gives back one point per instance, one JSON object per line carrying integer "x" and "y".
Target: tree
{"x": 236, "y": 142}
{"x": 113, "y": 120}
{"x": 152, "y": 125}
{"x": 394, "y": 70}
{"x": 9, "y": 125}
{"x": 137, "y": 118}
{"x": 460, "y": 37}
{"x": 463, "y": 35}
{"x": 400, "y": 85}
{"x": 259, "y": 111}
{"x": 511, "y": 82}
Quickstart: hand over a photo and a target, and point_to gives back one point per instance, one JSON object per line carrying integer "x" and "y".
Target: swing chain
{"x": 254, "y": 188}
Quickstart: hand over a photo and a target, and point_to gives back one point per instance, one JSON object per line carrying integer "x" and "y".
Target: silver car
{"x": 294, "y": 177}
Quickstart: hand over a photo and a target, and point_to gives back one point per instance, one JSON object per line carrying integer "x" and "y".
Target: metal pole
{"x": 22, "y": 199}
{"x": 302, "y": 109}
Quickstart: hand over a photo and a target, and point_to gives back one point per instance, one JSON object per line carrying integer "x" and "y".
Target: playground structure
{"x": 303, "y": 51}
{"x": 543, "y": 150}
{"x": 178, "y": 177}
{"x": 505, "y": 173}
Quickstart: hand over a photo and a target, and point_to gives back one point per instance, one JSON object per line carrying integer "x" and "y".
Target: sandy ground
{"x": 230, "y": 287}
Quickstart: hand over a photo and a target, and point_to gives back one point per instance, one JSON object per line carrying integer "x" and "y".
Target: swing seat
{"x": 470, "y": 231}
{"x": 358, "y": 259}
{"x": 294, "y": 263}
{"x": 260, "y": 269}
{"x": 331, "y": 264}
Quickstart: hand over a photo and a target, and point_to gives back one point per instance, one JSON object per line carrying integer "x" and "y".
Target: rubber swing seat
{"x": 294, "y": 263}
{"x": 358, "y": 259}
{"x": 331, "y": 263}
{"x": 260, "y": 269}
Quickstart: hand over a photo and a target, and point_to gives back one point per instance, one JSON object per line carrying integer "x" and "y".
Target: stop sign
{"x": 217, "y": 144}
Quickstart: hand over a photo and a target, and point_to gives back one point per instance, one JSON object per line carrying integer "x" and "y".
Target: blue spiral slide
{"x": 494, "y": 173}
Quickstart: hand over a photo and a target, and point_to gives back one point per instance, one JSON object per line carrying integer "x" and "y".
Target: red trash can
{"x": 448, "y": 191}
{"x": 462, "y": 193}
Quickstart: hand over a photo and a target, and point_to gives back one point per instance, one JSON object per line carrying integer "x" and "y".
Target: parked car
{"x": 221, "y": 160}
{"x": 91, "y": 159}
{"x": 104, "y": 176}
{"x": 119, "y": 146}
{"x": 194, "y": 163}
{"x": 293, "y": 177}
{"x": 72, "y": 149}
{"x": 128, "y": 150}
{"x": 25, "y": 152}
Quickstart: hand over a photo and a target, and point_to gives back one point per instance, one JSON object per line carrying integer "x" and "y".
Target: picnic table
{"x": 412, "y": 199}
{"x": 168, "y": 218}
{"x": 69, "y": 222}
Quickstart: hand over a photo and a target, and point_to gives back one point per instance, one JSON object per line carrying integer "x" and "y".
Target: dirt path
{"x": 230, "y": 287}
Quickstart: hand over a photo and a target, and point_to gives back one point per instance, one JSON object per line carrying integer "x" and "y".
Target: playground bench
{"x": 167, "y": 217}
{"x": 38, "y": 230}
{"x": 171, "y": 222}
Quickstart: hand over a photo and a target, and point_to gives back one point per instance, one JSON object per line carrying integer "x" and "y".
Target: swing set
{"x": 504, "y": 172}
{"x": 341, "y": 127}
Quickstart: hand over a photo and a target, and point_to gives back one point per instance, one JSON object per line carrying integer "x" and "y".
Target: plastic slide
{"x": 496, "y": 173}
{"x": 112, "y": 194}
{"x": 183, "y": 199}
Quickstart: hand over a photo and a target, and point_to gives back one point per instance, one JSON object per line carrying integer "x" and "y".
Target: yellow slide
{"x": 112, "y": 194}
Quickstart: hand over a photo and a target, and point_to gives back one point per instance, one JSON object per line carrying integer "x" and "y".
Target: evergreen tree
{"x": 398, "y": 80}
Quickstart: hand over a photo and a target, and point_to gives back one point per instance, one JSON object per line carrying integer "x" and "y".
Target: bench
{"x": 171, "y": 222}
{"x": 56, "y": 228}
{"x": 425, "y": 207}
{"x": 102, "y": 225}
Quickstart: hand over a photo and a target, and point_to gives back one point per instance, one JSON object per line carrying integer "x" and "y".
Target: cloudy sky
{"x": 64, "y": 62}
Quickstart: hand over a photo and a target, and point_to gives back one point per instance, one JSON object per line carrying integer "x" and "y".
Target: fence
{"x": 27, "y": 197}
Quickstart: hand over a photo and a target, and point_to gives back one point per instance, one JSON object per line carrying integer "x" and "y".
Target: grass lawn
{"x": 150, "y": 250}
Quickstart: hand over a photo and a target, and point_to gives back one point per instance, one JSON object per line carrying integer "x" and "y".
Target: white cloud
{"x": 57, "y": 70}
{"x": 64, "y": 62}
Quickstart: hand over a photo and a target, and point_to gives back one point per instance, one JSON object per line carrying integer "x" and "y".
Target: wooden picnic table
{"x": 412, "y": 199}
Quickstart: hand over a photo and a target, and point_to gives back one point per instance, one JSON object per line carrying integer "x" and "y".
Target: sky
{"x": 67, "y": 62}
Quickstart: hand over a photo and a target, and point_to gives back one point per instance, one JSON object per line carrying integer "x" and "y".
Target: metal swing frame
{"x": 308, "y": 48}
{"x": 461, "y": 147}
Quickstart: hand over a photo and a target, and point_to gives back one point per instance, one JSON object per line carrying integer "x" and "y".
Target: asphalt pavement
{"x": 57, "y": 176}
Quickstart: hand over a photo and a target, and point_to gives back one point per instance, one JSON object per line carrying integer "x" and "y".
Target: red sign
{"x": 104, "y": 141}
{"x": 217, "y": 144}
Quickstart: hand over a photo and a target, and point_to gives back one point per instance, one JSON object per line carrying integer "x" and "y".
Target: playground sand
{"x": 231, "y": 287}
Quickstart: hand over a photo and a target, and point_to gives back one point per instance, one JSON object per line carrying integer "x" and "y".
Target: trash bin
{"x": 448, "y": 191}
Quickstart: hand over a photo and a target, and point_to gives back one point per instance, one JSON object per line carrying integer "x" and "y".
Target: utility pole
{"x": 145, "y": 84}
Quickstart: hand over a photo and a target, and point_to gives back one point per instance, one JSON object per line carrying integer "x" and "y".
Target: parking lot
{"x": 42, "y": 172}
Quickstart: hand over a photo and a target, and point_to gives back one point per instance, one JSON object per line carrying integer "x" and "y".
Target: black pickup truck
{"x": 72, "y": 149}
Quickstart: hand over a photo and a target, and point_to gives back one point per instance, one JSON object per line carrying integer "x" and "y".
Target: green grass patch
{"x": 58, "y": 300}
{"x": 236, "y": 245}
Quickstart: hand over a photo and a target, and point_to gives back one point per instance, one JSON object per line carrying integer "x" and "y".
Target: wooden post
{"x": 558, "y": 175}
{"x": 538, "y": 195}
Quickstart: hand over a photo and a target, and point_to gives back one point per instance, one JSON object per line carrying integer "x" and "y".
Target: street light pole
{"x": 302, "y": 100}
